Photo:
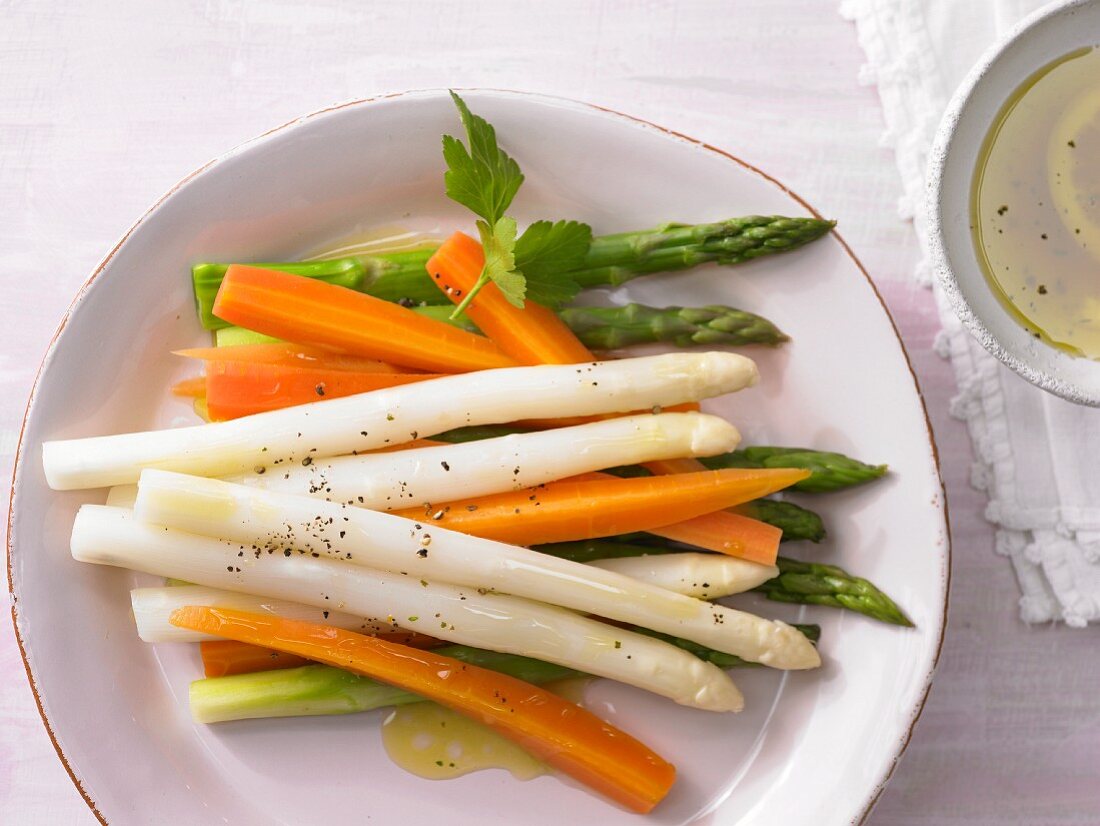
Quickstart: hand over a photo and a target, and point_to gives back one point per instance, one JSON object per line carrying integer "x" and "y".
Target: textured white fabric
{"x": 1037, "y": 457}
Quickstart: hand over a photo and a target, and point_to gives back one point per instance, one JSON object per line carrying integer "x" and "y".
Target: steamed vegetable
{"x": 192, "y": 388}
{"x": 151, "y": 607}
{"x": 312, "y": 312}
{"x": 794, "y": 521}
{"x": 728, "y": 533}
{"x": 828, "y": 471}
{"x": 374, "y": 420}
{"x": 507, "y": 624}
{"x": 285, "y": 354}
{"x": 600, "y": 505}
{"x": 265, "y": 519}
{"x": 235, "y": 389}
{"x": 556, "y": 731}
{"x": 804, "y": 583}
{"x": 226, "y": 658}
{"x": 321, "y": 689}
{"x": 811, "y": 583}
{"x": 706, "y": 576}
{"x": 530, "y": 333}
{"x": 612, "y": 328}
{"x": 810, "y": 632}
{"x": 611, "y": 260}
{"x": 389, "y": 481}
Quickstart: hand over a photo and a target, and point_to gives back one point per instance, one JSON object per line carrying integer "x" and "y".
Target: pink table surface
{"x": 104, "y": 106}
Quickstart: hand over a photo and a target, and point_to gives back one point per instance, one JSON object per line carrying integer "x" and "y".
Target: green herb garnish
{"x": 484, "y": 178}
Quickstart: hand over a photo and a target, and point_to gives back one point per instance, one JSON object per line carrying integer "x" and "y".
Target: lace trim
{"x": 901, "y": 64}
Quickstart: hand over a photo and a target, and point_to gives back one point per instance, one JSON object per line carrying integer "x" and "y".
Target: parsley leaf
{"x": 484, "y": 178}
{"x": 498, "y": 242}
{"x": 546, "y": 253}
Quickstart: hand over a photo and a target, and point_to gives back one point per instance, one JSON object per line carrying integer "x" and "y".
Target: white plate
{"x": 810, "y": 748}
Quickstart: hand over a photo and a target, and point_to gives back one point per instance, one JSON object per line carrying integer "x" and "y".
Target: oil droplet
{"x": 436, "y": 743}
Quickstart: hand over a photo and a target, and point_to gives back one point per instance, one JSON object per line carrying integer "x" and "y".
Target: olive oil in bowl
{"x": 1035, "y": 204}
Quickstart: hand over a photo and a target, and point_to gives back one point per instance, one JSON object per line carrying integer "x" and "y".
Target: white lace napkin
{"x": 1038, "y": 457}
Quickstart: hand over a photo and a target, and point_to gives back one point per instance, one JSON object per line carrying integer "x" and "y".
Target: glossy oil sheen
{"x": 1035, "y": 204}
{"x": 375, "y": 241}
{"x": 436, "y": 743}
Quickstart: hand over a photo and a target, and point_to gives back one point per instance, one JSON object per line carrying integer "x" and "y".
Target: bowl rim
{"x": 942, "y": 146}
{"x": 875, "y": 791}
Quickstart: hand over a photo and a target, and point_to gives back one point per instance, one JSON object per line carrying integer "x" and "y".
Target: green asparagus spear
{"x": 720, "y": 658}
{"x": 615, "y": 259}
{"x": 609, "y": 328}
{"x": 320, "y": 689}
{"x": 588, "y": 550}
{"x": 796, "y": 522}
{"x": 829, "y": 471}
{"x": 611, "y": 259}
{"x": 804, "y": 583}
{"x": 811, "y": 583}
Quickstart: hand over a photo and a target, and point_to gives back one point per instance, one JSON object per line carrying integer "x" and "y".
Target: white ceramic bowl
{"x": 811, "y": 747}
{"x": 1040, "y": 39}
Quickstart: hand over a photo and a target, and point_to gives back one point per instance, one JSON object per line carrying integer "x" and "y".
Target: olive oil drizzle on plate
{"x": 436, "y": 743}
{"x": 1035, "y": 204}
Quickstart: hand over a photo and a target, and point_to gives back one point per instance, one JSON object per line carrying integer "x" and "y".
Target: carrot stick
{"x": 728, "y": 533}
{"x": 663, "y": 467}
{"x": 224, "y": 658}
{"x": 531, "y": 334}
{"x": 240, "y": 389}
{"x": 194, "y": 388}
{"x": 590, "y": 506}
{"x": 285, "y": 354}
{"x": 556, "y": 731}
{"x": 311, "y": 312}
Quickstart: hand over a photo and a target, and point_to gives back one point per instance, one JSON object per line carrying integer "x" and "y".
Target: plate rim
{"x": 875, "y": 792}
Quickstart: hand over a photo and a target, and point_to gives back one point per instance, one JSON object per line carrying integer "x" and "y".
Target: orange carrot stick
{"x": 235, "y": 389}
{"x": 728, "y": 533}
{"x": 190, "y": 388}
{"x": 556, "y": 731}
{"x": 531, "y": 334}
{"x": 309, "y": 311}
{"x": 588, "y": 507}
{"x": 224, "y": 658}
{"x": 285, "y": 354}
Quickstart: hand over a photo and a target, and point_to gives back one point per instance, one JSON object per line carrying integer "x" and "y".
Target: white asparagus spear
{"x": 122, "y": 496}
{"x": 111, "y": 536}
{"x": 153, "y": 606}
{"x": 269, "y": 520}
{"x": 385, "y": 481}
{"x": 706, "y": 576}
{"x": 702, "y": 575}
{"x": 389, "y": 481}
{"x": 396, "y": 415}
